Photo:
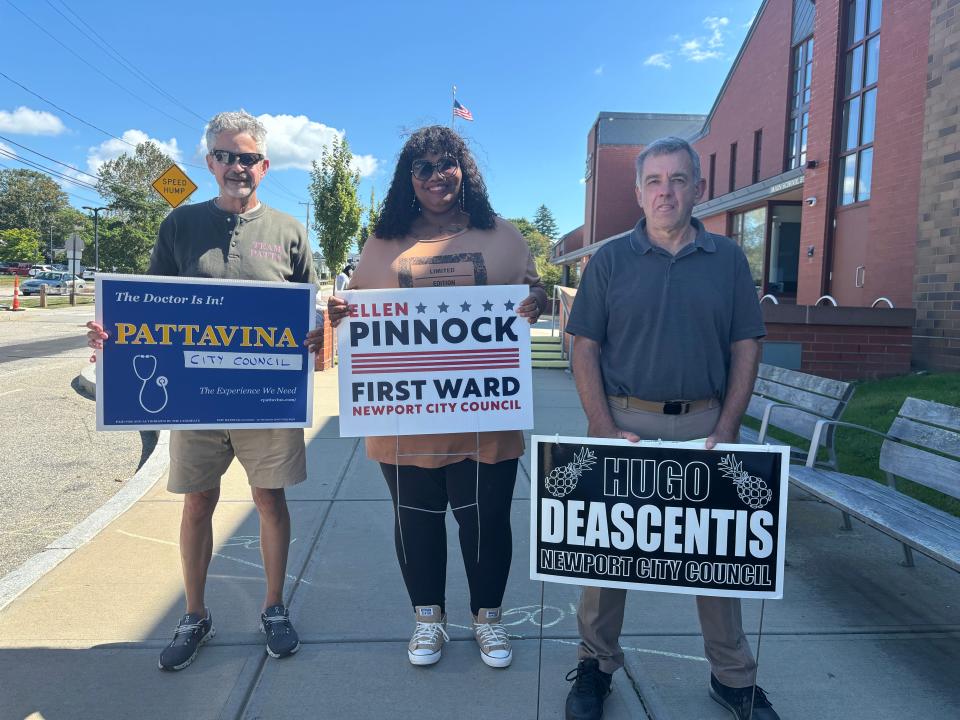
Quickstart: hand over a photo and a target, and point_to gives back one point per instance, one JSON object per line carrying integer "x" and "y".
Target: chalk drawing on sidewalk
{"x": 295, "y": 578}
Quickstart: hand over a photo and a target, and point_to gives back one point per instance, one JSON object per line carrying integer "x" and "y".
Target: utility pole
{"x": 307, "y": 203}
{"x": 96, "y": 234}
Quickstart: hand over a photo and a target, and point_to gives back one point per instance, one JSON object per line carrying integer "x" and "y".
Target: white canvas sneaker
{"x": 492, "y": 638}
{"x": 428, "y": 638}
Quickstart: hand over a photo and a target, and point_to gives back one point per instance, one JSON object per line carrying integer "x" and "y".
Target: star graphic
{"x": 465, "y": 306}
{"x": 508, "y": 304}
{"x": 443, "y": 307}
{"x": 421, "y": 308}
{"x": 488, "y": 306}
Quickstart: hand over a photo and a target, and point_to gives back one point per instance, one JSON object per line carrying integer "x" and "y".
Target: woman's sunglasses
{"x": 225, "y": 157}
{"x": 424, "y": 169}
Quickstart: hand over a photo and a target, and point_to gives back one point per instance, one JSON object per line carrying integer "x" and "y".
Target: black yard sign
{"x": 661, "y": 516}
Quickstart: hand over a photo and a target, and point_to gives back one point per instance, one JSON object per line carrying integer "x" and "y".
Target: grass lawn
{"x": 53, "y": 301}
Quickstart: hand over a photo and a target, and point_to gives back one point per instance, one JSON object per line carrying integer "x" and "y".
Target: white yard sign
{"x": 434, "y": 360}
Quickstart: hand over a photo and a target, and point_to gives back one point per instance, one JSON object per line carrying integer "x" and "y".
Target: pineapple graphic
{"x": 563, "y": 480}
{"x": 753, "y": 491}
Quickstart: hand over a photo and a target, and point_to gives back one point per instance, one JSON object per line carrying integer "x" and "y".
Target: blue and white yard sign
{"x": 194, "y": 353}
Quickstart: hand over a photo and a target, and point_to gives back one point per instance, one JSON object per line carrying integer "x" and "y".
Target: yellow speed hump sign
{"x": 174, "y": 186}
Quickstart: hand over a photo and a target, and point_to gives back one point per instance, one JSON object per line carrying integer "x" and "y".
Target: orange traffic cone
{"x": 16, "y": 294}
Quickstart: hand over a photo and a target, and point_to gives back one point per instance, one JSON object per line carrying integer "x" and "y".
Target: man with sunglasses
{"x": 233, "y": 236}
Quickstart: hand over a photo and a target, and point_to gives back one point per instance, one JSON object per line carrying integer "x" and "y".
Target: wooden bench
{"x": 923, "y": 445}
{"x": 793, "y": 401}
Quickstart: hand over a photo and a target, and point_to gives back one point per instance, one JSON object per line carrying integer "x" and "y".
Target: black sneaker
{"x": 192, "y": 632}
{"x": 738, "y": 700}
{"x": 591, "y": 685}
{"x": 282, "y": 639}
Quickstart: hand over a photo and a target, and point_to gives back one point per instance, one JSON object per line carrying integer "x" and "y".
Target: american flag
{"x": 460, "y": 111}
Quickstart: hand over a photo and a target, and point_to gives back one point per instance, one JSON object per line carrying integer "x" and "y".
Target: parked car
{"x": 17, "y": 268}
{"x": 89, "y": 274}
{"x": 59, "y": 282}
{"x": 36, "y": 269}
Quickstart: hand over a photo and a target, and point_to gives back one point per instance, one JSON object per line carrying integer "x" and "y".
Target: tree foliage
{"x": 20, "y": 244}
{"x": 129, "y": 230}
{"x": 549, "y": 274}
{"x": 545, "y": 222}
{"x": 539, "y": 244}
{"x": 373, "y": 214}
{"x": 28, "y": 200}
{"x": 337, "y": 208}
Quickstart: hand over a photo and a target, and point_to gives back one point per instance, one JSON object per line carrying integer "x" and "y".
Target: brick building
{"x": 832, "y": 155}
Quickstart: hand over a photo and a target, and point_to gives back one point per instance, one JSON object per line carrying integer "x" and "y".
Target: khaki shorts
{"x": 273, "y": 457}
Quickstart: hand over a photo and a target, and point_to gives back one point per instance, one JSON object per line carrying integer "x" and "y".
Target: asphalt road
{"x": 55, "y": 468}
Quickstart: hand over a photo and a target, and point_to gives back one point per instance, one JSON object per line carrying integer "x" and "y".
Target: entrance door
{"x": 783, "y": 252}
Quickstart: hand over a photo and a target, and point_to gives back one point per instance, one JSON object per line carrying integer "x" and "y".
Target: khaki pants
{"x": 600, "y": 614}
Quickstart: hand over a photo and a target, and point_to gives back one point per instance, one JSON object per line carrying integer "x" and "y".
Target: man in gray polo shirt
{"x": 233, "y": 236}
{"x": 667, "y": 328}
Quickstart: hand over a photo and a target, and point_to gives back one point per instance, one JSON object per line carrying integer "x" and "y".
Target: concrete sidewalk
{"x": 857, "y": 635}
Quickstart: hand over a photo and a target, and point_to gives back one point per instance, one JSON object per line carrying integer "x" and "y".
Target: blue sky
{"x": 534, "y": 74}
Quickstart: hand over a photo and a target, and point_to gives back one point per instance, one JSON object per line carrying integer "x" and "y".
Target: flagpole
{"x": 452, "y": 106}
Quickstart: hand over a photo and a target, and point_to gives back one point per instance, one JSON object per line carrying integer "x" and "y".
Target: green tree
{"x": 373, "y": 214}
{"x": 20, "y": 244}
{"x": 28, "y": 199}
{"x": 549, "y": 274}
{"x": 129, "y": 231}
{"x": 539, "y": 244}
{"x": 333, "y": 188}
{"x": 545, "y": 222}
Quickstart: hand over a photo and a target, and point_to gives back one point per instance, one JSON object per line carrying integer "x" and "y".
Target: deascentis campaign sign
{"x": 194, "y": 353}
{"x": 661, "y": 516}
{"x": 434, "y": 360}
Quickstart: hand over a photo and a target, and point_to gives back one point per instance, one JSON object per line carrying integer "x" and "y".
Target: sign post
{"x": 174, "y": 186}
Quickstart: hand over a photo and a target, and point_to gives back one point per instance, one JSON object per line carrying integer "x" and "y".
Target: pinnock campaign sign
{"x": 193, "y": 353}
{"x": 434, "y": 360}
{"x": 661, "y": 516}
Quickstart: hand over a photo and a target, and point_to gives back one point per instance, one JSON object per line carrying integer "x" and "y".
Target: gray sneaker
{"x": 492, "y": 638}
{"x": 192, "y": 632}
{"x": 427, "y": 641}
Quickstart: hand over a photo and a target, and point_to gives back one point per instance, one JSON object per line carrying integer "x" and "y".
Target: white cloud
{"x": 24, "y": 121}
{"x": 294, "y": 141}
{"x": 716, "y": 25}
{"x": 583, "y": 181}
{"x": 5, "y": 148}
{"x": 112, "y": 148}
{"x": 658, "y": 60}
{"x": 598, "y": 70}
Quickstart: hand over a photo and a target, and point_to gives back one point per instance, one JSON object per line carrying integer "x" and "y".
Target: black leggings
{"x": 481, "y": 504}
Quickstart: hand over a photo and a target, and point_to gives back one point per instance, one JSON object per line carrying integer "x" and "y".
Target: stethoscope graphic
{"x": 141, "y": 363}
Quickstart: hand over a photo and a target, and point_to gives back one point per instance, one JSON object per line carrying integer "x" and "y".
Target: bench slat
{"x": 927, "y": 436}
{"x": 896, "y": 501}
{"x": 934, "y": 471}
{"x": 824, "y": 406}
{"x": 940, "y": 544}
{"x": 822, "y": 386}
{"x": 931, "y": 412}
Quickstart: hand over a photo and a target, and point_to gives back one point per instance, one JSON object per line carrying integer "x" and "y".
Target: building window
{"x": 757, "y": 144}
{"x": 733, "y": 167}
{"x": 748, "y": 229}
{"x": 858, "y": 107}
{"x": 802, "y": 73}
{"x": 711, "y": 178}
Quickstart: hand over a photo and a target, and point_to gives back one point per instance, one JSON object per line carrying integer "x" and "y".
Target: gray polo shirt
{"x": 665, "y": 323}
{"x": 204, "y": 241}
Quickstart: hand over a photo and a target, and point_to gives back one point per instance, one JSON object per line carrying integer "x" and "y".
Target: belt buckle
{"x": 676, "y": 407}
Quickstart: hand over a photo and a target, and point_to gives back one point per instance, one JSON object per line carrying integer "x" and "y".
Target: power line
{"x": 120, "y": 59}
{"x": 95, "y": 68}
{"x": 45, "y": 157}
{"x": 42, "y": 168}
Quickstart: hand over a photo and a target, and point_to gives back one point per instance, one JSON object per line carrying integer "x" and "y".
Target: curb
{"x": 14, "y": 583}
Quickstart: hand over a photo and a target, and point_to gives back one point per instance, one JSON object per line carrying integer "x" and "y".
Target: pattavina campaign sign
{"x": 434, "y": 360}
{"x": 192, "y": 353}
{"x": 662, "y": 516}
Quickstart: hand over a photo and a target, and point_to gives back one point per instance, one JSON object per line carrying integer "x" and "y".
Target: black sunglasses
{"x": 225, "y": 157}
{"x": 424, "y": 169}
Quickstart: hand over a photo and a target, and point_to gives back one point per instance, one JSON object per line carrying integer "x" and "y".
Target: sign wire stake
{"x": 753, "y": 695}
{"x": 540, "y": 650}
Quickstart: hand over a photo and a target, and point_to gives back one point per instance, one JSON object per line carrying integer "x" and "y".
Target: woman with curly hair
{"x": 437, "y": 221}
